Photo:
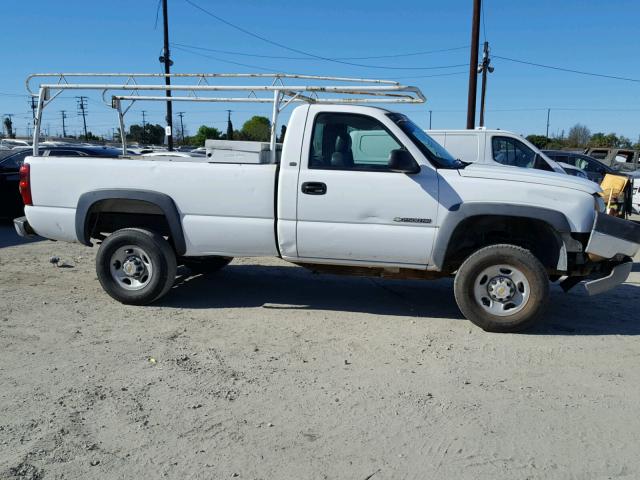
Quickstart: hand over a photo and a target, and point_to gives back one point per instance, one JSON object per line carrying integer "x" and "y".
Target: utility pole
{"x": 229, "y": 126}
{"x": 473, "y": 65}
{"x": 64, "y": 129}
{"x": 144, "y": 126}
{"x": 82, "y": 107}
{"x": 548, "y": 115}
{"x": 483, "y": 68}
{"x": 33, "y": 107}
{"x": 181, "y": 114}
{"x": 9, "y": 128}
{"x": 166, "y": 59}
{"x": 430, "y": 113}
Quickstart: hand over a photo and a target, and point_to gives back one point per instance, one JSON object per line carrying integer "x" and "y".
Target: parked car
{"x": 12, "y": 142}
{"x": 573, "y": 171}
{"x": 10, "y": 161}
{"x": 595, "y": 169}
{"x": 494, "y": 147}
{"x": 635, "y": 202}
{"x": 623, "y": 159}
{"x": 330, "y": 207}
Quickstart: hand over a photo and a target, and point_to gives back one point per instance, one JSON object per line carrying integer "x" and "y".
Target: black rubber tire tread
{"x": 519, "y": 257}
{"x": 206, "y": 264}
{"x": 162, "y": 258}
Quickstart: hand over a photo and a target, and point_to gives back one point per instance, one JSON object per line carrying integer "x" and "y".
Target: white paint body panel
{"x": 210, "y": 198}
{"x": 475, "y": 146}
{"x": 228, "y": 209}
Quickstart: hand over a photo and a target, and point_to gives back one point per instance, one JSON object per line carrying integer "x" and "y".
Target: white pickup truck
{"x": 333, "y": 207}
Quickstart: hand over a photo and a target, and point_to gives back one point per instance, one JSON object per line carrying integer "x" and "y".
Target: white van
{"x": 497, "y": 147}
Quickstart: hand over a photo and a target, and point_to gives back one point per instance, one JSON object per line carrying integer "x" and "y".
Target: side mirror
{"x": 401, "y": 161}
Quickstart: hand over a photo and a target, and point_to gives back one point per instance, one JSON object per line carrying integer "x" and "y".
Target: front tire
{"x": 136, "y": 266}
{"x": 502, "y": 288}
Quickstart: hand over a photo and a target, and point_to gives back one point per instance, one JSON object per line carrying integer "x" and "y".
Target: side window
{"x": 581, "y": 162}
{"x": 65, "y": 153}
{"x": 510, "y": 151}
{"x": 350, "y": 142}
{"x": 593, "y": 166}
{"x": 624, "y": 157}
{"x": 599, "y": 154}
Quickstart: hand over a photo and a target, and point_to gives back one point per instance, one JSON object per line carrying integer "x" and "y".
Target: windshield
{"x": 427, "y": 145}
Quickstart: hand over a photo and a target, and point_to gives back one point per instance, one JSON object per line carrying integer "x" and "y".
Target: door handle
{"x": 314, "y": 188}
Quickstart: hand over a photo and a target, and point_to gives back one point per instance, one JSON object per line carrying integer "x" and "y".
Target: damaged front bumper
{"x": 614, "y": 242}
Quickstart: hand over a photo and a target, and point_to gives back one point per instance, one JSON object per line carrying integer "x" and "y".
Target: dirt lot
{"x": 266, "y": 371}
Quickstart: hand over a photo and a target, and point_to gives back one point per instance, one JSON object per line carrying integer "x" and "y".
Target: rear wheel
{"x": 206, "y": 264}
{"x": 136, "y": 266}
{"x": 502, "y": 288}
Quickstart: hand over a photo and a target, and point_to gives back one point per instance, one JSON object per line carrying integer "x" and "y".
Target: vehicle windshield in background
{"x": 427, "y": 145}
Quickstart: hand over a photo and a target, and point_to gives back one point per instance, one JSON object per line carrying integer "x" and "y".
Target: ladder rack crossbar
{"x": 357, "y": 91}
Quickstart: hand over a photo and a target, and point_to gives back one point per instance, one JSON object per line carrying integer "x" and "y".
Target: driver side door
{"x": 352, "y": 209}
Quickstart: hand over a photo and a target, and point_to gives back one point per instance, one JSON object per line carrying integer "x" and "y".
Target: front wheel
{"x": 136, "y": 266}
{"x": 502, "y": 288}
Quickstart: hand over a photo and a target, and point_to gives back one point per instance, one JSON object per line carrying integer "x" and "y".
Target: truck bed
{"x": 228, "y": 206}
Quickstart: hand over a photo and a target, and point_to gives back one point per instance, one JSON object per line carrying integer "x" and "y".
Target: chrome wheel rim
{"x": 501, "y": 290}
{"x": 131, "y": 267}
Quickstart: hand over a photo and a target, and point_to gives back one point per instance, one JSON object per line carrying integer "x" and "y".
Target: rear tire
{"x": 136, "y": 266}
{"x": 206, "y": 264}
{"x": 502, "y": 288}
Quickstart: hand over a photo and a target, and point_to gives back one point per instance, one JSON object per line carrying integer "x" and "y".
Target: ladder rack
{"x": 124, "y": 90}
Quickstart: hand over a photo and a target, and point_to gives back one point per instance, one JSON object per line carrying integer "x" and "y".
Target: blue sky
{"x": 119, "y": 35}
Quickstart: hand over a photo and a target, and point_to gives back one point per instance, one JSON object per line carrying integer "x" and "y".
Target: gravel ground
{"x": 266, "y": 371}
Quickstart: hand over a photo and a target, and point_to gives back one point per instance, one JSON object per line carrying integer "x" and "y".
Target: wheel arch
{"x": 476, "y": 223}
{"x": 129, "y": 201}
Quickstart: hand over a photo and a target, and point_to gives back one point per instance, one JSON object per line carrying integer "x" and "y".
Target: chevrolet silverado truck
{"x": 400, "y": 207}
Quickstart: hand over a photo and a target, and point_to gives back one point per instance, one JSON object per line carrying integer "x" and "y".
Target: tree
{"x": 152, "y": 134}
{"x": 624, "y": 142}
{"x": 601, "y": 140}
{"x": 539, "y": 141}
{"x": 205, "y": 133}
{"x": 257, "y": 128}
{"x": 579, "y": 136}
{"x": 8, "y": 124}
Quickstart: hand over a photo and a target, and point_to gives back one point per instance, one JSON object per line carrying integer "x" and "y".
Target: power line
{"x": 447, "y": 74}
{"x": 190, "y": 49}
{"x": 284, "y": 57}
{"x": 562, "y": 69}
{"x": 270, "y": 70}
{"x": 302, "y": 52}
{"x": 155, "y": 24}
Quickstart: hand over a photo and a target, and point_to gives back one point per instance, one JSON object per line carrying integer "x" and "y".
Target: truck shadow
{"x": 9, "y": 237}
{"x": 293, "y": 288}
{"x": 576, "y": 313}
